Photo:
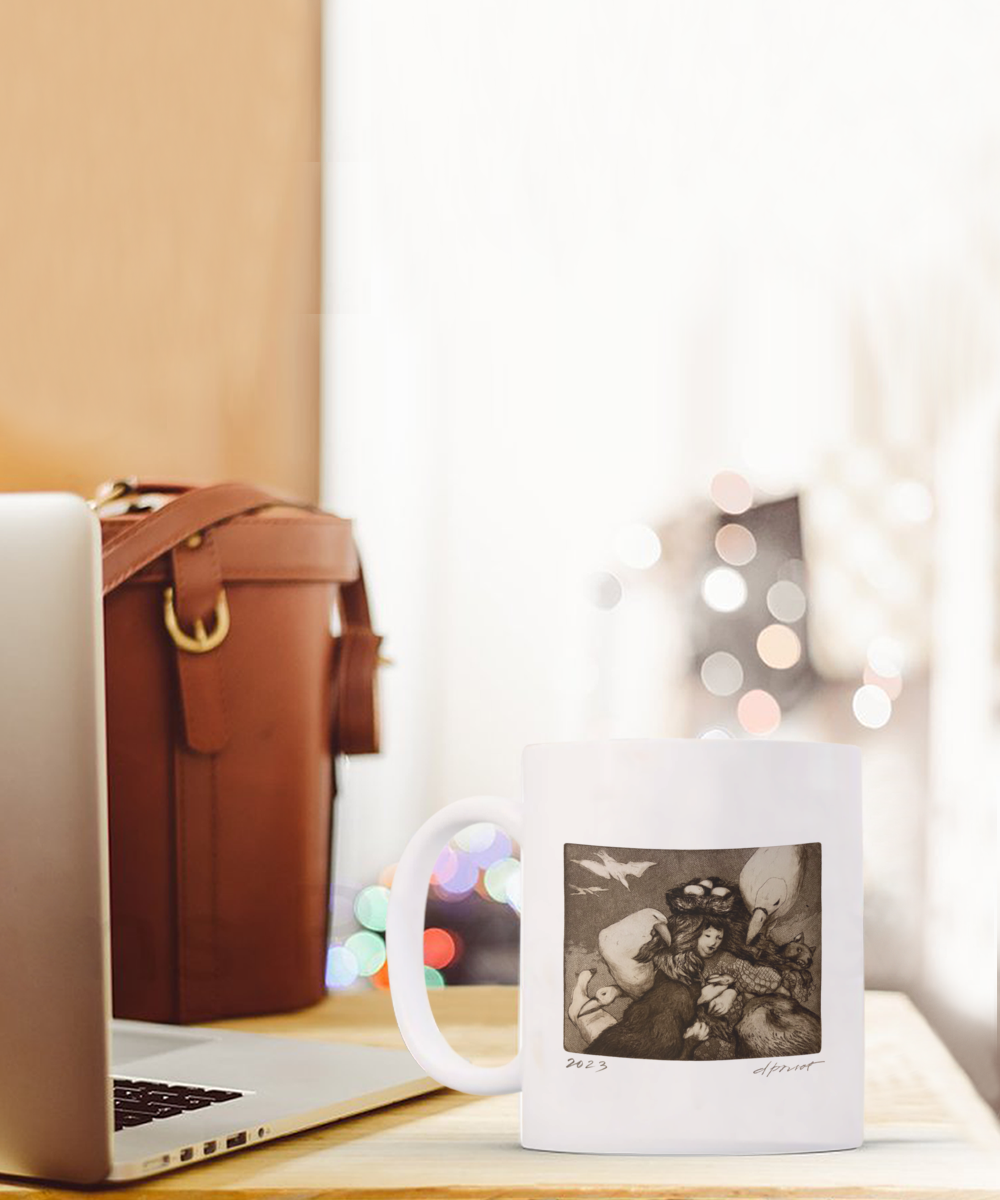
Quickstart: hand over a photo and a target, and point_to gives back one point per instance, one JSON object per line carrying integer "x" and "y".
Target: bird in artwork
{"x": 775, "y": 1026}
{"x": 769, "y": 885}
{"x": 586, "y": 891}
{"x": 589, "y": 1013}
{"x": 619, "y": 943}
{"x": 610, "y": 868}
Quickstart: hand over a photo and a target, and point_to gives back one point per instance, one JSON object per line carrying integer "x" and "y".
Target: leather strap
{"x": 355, "y": 725}
{"x": 355, "y": 709}
{"x": 197, "y": 584}
{"x": 188, "y": 513}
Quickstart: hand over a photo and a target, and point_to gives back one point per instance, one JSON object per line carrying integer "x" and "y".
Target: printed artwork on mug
{"x": 693, "y": 954}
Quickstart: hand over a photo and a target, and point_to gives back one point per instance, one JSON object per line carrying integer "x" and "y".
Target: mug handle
{"x": 405, "y": 947}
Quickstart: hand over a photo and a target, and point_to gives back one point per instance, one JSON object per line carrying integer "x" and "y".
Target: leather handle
{"x": 188, "y": 513}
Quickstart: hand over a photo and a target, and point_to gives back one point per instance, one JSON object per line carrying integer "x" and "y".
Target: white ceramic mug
{"x": 691, "y": 947}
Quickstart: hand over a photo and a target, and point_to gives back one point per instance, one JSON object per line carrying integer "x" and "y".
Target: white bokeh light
{"x": 872, "y": 706}
{"x": 786, "y": 601}
{"x": 721, "y": 673}
{"x": 886, "y": 656}
{"x": 724, "y": 589}
{"x": 637, "y": 546}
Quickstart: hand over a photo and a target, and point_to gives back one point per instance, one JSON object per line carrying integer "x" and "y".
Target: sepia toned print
{"x": 693, "y": 954}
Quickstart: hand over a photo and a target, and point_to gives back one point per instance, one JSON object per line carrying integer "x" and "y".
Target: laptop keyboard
{"x": 139, "y": 1101}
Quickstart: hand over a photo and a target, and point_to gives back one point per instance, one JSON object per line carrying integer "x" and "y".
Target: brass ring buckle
{"x": 202, "y": 642}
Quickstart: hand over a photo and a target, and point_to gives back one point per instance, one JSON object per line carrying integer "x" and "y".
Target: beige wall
{"x": 159, "y": 241}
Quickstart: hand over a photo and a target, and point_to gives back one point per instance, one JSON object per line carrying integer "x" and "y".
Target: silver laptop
{"x": 83, "y": 1098}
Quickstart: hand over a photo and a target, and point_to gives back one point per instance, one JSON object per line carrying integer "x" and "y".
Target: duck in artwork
{"x": 590, "y": 1013}
{"x": 769, "y": 885}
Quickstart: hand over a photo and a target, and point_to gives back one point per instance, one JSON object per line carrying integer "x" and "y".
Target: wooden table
{"x": 928, "y": 1134}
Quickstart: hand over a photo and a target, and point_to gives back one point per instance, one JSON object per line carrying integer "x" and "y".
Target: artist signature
{"x": 770, "y": 1068}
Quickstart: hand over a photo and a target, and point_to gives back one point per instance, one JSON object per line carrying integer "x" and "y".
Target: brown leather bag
{"x": 227, "y": 698}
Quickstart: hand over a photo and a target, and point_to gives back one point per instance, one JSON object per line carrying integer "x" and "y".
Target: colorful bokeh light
{"x": 439, "y": 948}
{"x": 736, "y": 545}
{"x": 461, "y": 880}
{"x": 498, "y": 878}
{"x": 371, "y": 907}
{"x": 499, "y": 847}
{"x": 368, "y": 950}
{"x": 758, "y": 712}
{"x": 731, "y": 492}
{"x": 433, "y": 978}
{"x": 514, "y": 890}
{"x": 475, "y": 837}
{"x": 341, "y": 967}
{"x": 445, "y": 866}
{"x": 779, "y": 647}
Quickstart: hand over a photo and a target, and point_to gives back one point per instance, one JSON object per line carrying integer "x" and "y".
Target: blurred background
{"x": 655, "y": 350}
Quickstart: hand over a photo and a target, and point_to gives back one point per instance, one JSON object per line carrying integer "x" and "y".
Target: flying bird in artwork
{"x": 585, "y": 891}
{"x": 609, "y": 868}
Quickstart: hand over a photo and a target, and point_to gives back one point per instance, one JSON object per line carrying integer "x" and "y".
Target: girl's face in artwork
{"x": 710, "y": 941}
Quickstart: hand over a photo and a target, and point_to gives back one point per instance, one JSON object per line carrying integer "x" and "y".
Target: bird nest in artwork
{"x": 708, "y": 895}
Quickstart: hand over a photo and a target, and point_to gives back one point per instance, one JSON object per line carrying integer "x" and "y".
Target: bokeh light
{"x": 445, "y": 866}
{"x": 341, "y": 967}
{"x": 736, "y": 545}
{"x": 381, "y": 978}
{"x": 604, "y": 590}
{"x": 433, "y": 978}
{"x": 721, "y": 673}
{"x": 514, "y": 889}
{"x": 885, "y": 656}
{"x": 911, "y": 501}
{"x": 872, "y": 706}
{"x": 499, "y": 847}
{"x": 724, "y": 589}
{"x": 387, "y": 875}
{"x": 371, "y": 907}
{"x": 786, "y": 601}
{"x": 368, "y": 950}
{"x": 731, "y": 492}
{"x": 715, "y": 735}
{"x": 439, "y": 948}
{"x": 462, "y": 880}
{"x": 498, "y": 876}
{"x": 475, "y": 837}
{"x": 341, "y": 911}
{"x": 779, "y": 647}
{"x": 892, "y": 685}
{"x": 637, "y": 546}
{"x": 758, "y": 712}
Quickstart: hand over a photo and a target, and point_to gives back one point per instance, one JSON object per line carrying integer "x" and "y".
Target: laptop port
{"x": 210, "y": 1147}
{"x": 238, "y": 1139}
{"x": 187, "y": 1154}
